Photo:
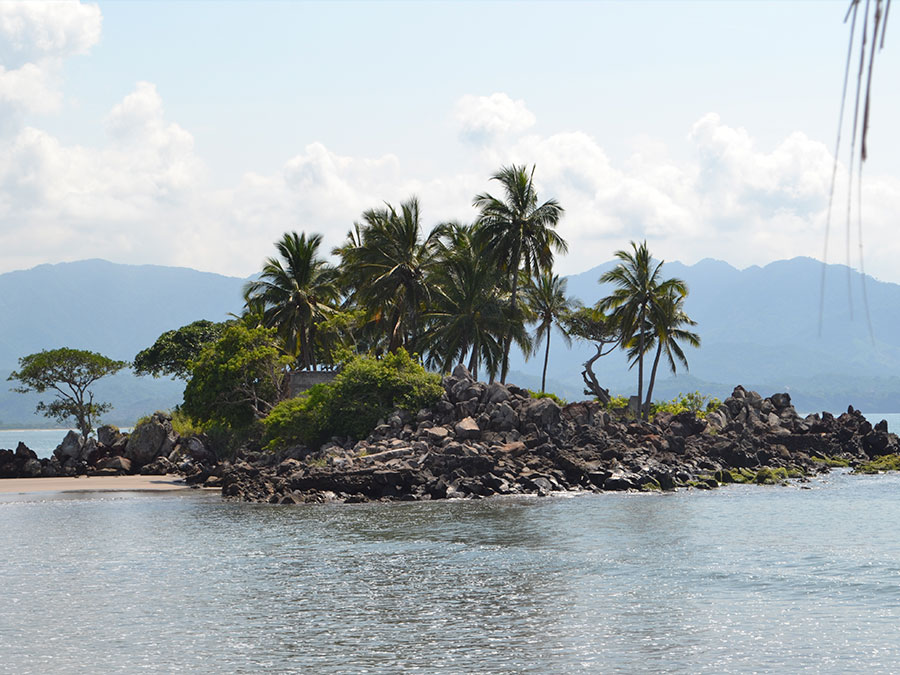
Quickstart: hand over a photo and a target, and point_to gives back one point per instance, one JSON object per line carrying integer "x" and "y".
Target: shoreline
{"x": 167, "y": 483}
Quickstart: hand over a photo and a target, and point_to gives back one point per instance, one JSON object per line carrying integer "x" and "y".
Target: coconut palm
{"x": 294, "y": 293}
{"x": 546, "y": 298}
{"x": 666, "y": 330}
{"x": 468, "y": 315}
{"x": 639, "y": 288}
{"x": 520, "y": 232}
{"x": 386, "y": 264}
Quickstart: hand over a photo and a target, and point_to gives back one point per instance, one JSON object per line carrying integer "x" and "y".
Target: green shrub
{"x": 548, "y": 394}
{"x": 366, "y": 390}
{"x": 184, "y": 426}
{"x": 617, "y": 403}
{"x": 694, "y": 402}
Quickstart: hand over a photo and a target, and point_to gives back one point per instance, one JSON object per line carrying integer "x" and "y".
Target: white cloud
{"x": 35, "y": 37}
{"x": 485, "y": 119}
{"x": 31, "y": 31}
{"x": 145, "y": 196}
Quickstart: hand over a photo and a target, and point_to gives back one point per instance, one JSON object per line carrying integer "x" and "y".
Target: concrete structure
{"x": 301, "y": 380}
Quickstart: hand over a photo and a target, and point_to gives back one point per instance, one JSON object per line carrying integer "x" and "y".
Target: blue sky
{"x": 195, "y": 133}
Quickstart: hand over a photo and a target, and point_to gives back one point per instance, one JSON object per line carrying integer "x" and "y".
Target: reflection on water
{"x": 737, "y": 580}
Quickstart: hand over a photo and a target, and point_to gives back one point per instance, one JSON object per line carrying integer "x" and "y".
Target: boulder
{"x": 108, "y": 435}
{"x": 197, "y": 450}
{"x": 158, "y": 467}
{"x": 436, "y": 435}
{"x": 151, "y": 439}
{"x": 467, "y": 428}
{"x": 70, "y": 448}
{"x": 122, "y": 464}
{"x": 542, "y": 412}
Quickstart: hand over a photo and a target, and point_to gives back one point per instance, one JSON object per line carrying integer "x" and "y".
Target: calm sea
{"x": 737, "y": 580}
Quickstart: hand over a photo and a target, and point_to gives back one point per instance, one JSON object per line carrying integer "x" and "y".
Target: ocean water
{"x": 737, "y": 580}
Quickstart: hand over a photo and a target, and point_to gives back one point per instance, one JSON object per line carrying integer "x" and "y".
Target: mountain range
{"x": 760, "y": 327}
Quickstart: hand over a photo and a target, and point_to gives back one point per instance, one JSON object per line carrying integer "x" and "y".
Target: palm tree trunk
{"x": 641, "y": 362}
{"x": 653, "y": 376}
{"x": 504, "y": 366}
{"x": 546, "y": 358}
{"x": 473, "y": 362}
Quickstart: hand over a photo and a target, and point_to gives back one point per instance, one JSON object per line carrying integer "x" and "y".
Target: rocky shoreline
{"x": 482, "y": 439}
{"x": 152, "y": 449}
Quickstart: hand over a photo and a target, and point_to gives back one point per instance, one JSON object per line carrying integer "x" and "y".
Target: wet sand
{"x": 93, "y": 484}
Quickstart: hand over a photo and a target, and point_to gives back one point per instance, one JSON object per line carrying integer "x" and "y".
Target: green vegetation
{"x": 236, "y": 380}
{"x": 521, "y": 233}
{"x": 546, "y": 300}
{"x": 365, "y": 391}
{"x": 294, "y": 294}
{"x": 645, "y": 308}
{"x": 173, "y": 351}
{"x": 183, "y": 425}
{"x": 831, "y": 461}
{"x": 879, "y": 464}
{"x": 617, "y": 403}
{"x": 468, "y": 316}
{"x": 548, "y": 394}
{"x": 773, "y": 476}
{"x": 68, "y": 373}
{"x": 651, "y": 485}
{"x": 695, "y": 402}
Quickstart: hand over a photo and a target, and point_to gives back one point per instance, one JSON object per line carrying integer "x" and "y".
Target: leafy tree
{"x": 546, "y": 297}
{"x": 68, "y": 373}
{"x": 591, "y": 325}
{"x": 174, "y": 349}
{"x": 387, "y": 264}
{"x": 237, "y": 379}
{"x": 521, "y": 233}
{"x": 295, "y": 293}
{"x": 638, "y": 290}
{"x": 667, "y": 319}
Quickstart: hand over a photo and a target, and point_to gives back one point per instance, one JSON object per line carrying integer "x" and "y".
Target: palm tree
{"x": 546, "y": 298}
{"x": 667, "y": 319}
{"x": 294, "y": 293}
{"x": 468, "y": 315}
{"x": 520, "y": 232}
{"x": 638, "y": 290}
{"x": 386, "y": 264}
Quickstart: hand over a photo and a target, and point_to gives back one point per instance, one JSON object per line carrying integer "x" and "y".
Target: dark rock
{"x": 122, "y": 464}
{"x": 108, "y": 435}
{"x": 150, "y": 440}
{"x": 70, "y": 448}
{"x": 467, "y": 428}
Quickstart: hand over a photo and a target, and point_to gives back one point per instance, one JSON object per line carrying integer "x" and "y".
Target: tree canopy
{"x": 68, "y": 373}
{"x": 238, "y": 378}
{"x": 175, "y": 349}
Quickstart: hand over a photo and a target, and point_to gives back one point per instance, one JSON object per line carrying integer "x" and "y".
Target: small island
{"x": 335, "y": 382}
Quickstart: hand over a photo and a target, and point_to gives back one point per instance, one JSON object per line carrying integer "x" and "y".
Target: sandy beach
{"x": 93, "y": 484}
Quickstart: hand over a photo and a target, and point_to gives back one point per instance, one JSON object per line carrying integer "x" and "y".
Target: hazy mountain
{"x": 113, "y": 309}
{"x": 760, "y": 328}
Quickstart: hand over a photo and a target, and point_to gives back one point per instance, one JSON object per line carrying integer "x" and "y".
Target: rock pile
{"x": 153, "y": 448}
{"x": 487, "y": 439}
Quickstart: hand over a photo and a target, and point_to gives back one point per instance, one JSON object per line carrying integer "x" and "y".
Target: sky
{"x": 196, "y": 133}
